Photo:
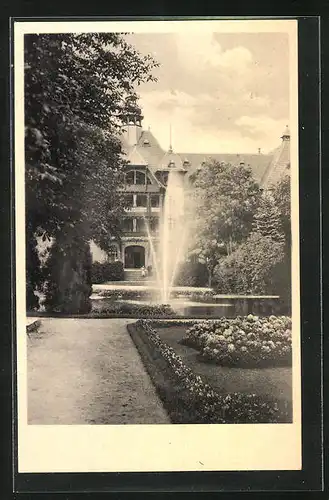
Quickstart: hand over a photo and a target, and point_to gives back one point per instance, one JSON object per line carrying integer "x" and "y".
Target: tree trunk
{"x": 69, "y": 283}
{"x": 210, "y": 272}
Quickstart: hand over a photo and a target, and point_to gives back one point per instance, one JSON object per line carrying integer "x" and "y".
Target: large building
{"x": 145, "y": 186}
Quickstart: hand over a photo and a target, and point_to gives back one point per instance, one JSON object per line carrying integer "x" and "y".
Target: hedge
{"x": 107, "y": 271}
{"x": 192, "y": 274}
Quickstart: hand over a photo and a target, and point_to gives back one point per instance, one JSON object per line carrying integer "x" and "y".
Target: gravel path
{"x": 87, "y": 371}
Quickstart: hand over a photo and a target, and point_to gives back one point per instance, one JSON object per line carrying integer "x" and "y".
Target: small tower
{"x": 286, "y": 134}
{"x": 171, "y": 162}
{"x": 132, "y": 121}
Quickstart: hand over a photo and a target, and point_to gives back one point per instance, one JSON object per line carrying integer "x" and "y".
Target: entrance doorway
{"x": 134, "y": 257}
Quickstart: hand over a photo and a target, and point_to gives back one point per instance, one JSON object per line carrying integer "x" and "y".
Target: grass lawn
{"x": 269, "y": 382}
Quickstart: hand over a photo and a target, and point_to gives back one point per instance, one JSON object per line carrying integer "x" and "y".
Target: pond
{"x": 189, "y": 302}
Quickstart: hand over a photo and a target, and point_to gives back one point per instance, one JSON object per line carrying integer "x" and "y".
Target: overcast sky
{"x": 222, "y": 93}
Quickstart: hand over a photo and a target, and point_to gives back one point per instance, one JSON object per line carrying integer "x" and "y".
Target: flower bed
{"x": 139, "y": 310}
{"x": 125, "y": 294}
{"x": 243, "y": 341}
{"x": 117, "y": 310}
{"x": 186, "y": 397}
{"x": 128, "y": 294}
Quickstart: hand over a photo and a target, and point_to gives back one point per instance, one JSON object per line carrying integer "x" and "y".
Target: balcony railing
{"x": 141, "y": 188}
{"x": 143, "y": 210}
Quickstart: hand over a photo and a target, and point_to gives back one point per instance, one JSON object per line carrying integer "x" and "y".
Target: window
{"x": 140, "y": 178}
{"x": 154, "y": 225}
{"x": 155, "y": 200}
{"x": 165, "y": 178}
{"x": 130, "y": 177}
{"x": 140, "y": 225}
{"x": 129, "y": 200}
{"x": 128, "y": 224}
{"x": 141, "y": 200}
{"x": 137, "y": 177}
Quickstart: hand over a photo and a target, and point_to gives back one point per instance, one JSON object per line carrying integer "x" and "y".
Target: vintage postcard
{"x": 157, "y": 263}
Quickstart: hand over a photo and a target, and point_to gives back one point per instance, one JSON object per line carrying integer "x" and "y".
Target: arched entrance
{"x": 134, "y": 257}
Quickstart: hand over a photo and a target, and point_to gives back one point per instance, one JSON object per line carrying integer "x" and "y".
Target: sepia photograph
{"x": 157, "y": 207}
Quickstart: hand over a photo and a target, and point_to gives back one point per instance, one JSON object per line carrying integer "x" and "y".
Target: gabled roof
{"x": 170, "y": 160}
{"x": 135, "y": 157}
{"x": 147, "y": 146}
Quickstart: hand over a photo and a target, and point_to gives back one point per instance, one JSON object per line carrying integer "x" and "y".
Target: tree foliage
{"x": 225, "y": 198}
{"x": 78, "y": 90}
{"x": 267, "y": 219}
{"x": 282, "y": 199}
{"x": 262, "y": 263}
{"x": 252, "y": 267}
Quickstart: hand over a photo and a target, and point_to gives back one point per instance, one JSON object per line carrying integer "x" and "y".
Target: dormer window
{"x": 137, "y": 177}
{"x": 171, "y": 164}
{"x": 146, "y": 142}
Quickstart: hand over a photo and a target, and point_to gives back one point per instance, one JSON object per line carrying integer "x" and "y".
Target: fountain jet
{"x": 173, "y": 235}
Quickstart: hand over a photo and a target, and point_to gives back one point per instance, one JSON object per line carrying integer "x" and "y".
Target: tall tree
{"x": 267, "y": 219}
{"x": 77, "y": 90}
{"x": 225, "y": 198}
{"x": 281, "y": 196}
{"x": 252, "y": 267}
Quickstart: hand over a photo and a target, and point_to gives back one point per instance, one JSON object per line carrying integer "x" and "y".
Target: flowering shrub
{"x": 197, "y": 400}
{"x": 243, "y": 341}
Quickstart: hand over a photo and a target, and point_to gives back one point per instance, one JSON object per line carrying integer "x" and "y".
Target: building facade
{"x": 145, "y": 186}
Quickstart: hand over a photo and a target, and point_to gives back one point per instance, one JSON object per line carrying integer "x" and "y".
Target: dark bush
{"x": 251, "y": 268}
{"x": 192, "y": 274}
{"x": 107, "y": 271}
{"x": 68, "y": 277}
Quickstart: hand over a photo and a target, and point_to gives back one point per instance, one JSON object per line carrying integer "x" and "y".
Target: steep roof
{"x": 170, "y": 159}
{"x": 279, "y": 165}
{"x": 266, "y": 168}
{"x": 147, "y": 146}
{"x": 135, "y": 157}
{"x": 257, "y": 162}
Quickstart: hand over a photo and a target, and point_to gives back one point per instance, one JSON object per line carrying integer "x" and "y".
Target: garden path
{"x": 87, "y": 371}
